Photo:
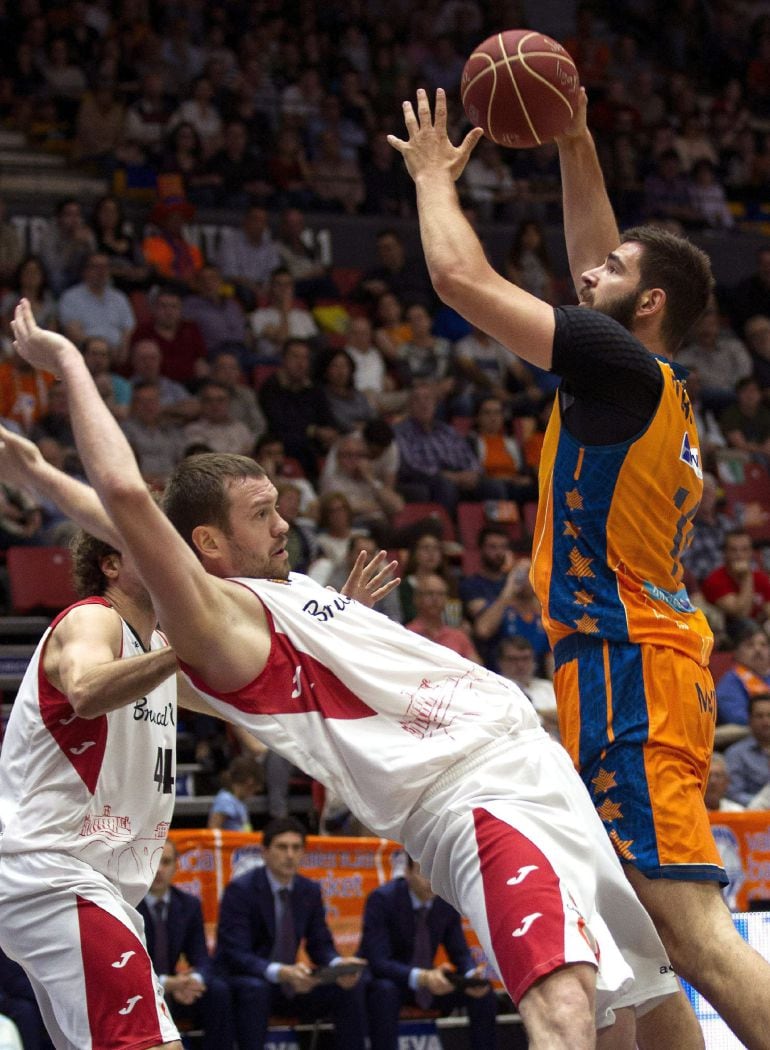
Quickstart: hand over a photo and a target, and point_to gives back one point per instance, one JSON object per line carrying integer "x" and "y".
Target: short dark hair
{"x": 492, "y": 530}
{"x": 378, "y": 432}
{"x": 682, "y": 270}
{"x": 268, "y": 438}
{"x": 87, "y": 554}
{"x": 241, "y": 769}
{"x": 732, "y": 533}
{"x": 746, "y": 381}
{"x": 197, "y": 492}
{"x": 745, "y": 631}
{"x": 756, "y": 698}
{"x": 280, "y": 826}
{"x": 515, "y": 641}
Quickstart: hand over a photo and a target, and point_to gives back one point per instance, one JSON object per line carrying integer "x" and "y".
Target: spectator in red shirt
{"x": 430, "y": 597}
{"x": 181, "y": 343}
{"x": 736, "y": 587}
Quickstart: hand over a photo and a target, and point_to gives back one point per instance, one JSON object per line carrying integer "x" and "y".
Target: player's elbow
{"x": 124, "y": 492}
{"x": 86, "y": 702}
{"x": 452, "y": 284}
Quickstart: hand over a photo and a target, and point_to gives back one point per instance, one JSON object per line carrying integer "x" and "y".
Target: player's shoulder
{"x": 580, "y": 322}
{"x": 91, "y": 611}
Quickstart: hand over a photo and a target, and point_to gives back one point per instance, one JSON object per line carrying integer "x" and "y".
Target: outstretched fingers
{"x": 423, "y": 108}
{"x": 439, "y": 117}
{"x": 412, "y": 124}
{"x": 468, "y": 144}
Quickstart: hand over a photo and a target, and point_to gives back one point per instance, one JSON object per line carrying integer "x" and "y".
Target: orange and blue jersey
{"x": 613, "y": 521}
{"x": 620, "y": 483}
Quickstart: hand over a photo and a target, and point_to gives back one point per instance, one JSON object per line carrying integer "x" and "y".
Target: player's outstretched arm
{"x": 83, "y": 660}
{"x": 189, "y": 603}
{"x": 21, "y": 463}
{"x": 459, "y": 270}
{"x": 590, "y": 229}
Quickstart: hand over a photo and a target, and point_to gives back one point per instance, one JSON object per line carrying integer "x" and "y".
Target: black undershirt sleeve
{"x": 611, "y": 384}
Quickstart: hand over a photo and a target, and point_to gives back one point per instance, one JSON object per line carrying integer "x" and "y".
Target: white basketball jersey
{"x": 101, "y": 789}
{"x": 370, "y": 709}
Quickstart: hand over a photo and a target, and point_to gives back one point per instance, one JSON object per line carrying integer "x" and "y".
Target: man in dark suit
{"x": 263, "y": 917}
{"x": 404, "y": 924}
{"x": 17, "y": 1001}
{"x": 173, "y": 923}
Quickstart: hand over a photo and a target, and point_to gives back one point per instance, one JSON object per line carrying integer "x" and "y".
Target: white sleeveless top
{"x": 100, "y": 789}
{"x": 370, "y": 709}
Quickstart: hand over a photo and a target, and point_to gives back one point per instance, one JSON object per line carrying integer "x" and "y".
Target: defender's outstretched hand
{"x": 37, "y": 345}
{"x": 428, "y": 149}
{"x": 370, "y": 581}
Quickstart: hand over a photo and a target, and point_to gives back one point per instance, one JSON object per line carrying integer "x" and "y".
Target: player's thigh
{"x": 514, "y": 846}
{"x": 691, "y": 917}
{"x": 82, "y": 946}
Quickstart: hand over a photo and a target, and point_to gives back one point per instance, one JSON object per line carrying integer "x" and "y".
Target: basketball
{"x": 521, "y": 87}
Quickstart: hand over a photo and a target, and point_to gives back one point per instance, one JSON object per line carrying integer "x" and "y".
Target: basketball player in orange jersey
{"x": 620, "y": 481}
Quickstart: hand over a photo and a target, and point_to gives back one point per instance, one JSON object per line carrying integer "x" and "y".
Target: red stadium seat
{"x": 719, "y": 663}
{"x": 472, "y": 517}
{"x": 346, "y": 278}
{"x": 749, "y": 501}
{"x": 417, "y": 513}
{"x": 261, "y": 373}
{"x": 40, "y": 578}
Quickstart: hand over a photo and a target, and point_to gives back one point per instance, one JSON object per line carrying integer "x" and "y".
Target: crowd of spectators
{"x": 288, "y": 106}
{"x": 362, "y": 398}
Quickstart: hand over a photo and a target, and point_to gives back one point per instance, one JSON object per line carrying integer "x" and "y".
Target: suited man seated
{"x": 173, "y": 923}
{"x": 264, "y": 916}
{"x": 404, "y": 924}
{"x": 17, "y": 1001}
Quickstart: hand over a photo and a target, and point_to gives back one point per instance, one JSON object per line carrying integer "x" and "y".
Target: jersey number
{"x": 164, "y": 764}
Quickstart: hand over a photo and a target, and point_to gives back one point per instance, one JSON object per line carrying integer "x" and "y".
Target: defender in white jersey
{"x": 447, "y": 758}
{"x": 86, "y": 798}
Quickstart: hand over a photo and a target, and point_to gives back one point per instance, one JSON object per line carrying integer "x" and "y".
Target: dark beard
{"x": 622, "y": 309}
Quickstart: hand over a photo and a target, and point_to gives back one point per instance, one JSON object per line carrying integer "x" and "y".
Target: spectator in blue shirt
{"x": 749, "y": 676}
{"x": 437, "y": 464}
{"x": 240, "y": 781}
{"x": 749, "y": 759}
{"x": 94, "y": 307}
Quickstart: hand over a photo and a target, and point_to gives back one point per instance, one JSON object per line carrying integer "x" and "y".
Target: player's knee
{"x": 558, "y": 1011}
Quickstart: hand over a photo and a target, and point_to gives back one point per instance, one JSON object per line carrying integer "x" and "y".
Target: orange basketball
{"x": 521, "y": 87}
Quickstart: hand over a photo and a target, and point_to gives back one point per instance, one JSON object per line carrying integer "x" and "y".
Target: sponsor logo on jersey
{"x": 522, "y": 874}
{"x": 81, "y": 748}
{"x": 679, "y": 600}
{"x": 122, "y": 960}
{"x": 691, "y": 456}
{"x": 130, "y": 1004}
{"x": 526, "y": 922}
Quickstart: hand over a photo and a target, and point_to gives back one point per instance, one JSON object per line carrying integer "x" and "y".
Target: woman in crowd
{"x": 528, "y": 264}
{"x": 499, "y": 453}
{"x": 350, "y": 407}
{"x": 335, "y": 531}
{"x": 114, "y": 240}
{"x": 29, "y": 282}
{"x": 426, "y": 557}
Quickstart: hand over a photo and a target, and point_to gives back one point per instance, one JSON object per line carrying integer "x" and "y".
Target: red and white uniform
{"x": 85, "y": 807}
{"x": 449, "y": 758}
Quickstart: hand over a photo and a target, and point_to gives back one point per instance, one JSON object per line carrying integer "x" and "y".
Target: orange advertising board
{"x": 348, "y": 869}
